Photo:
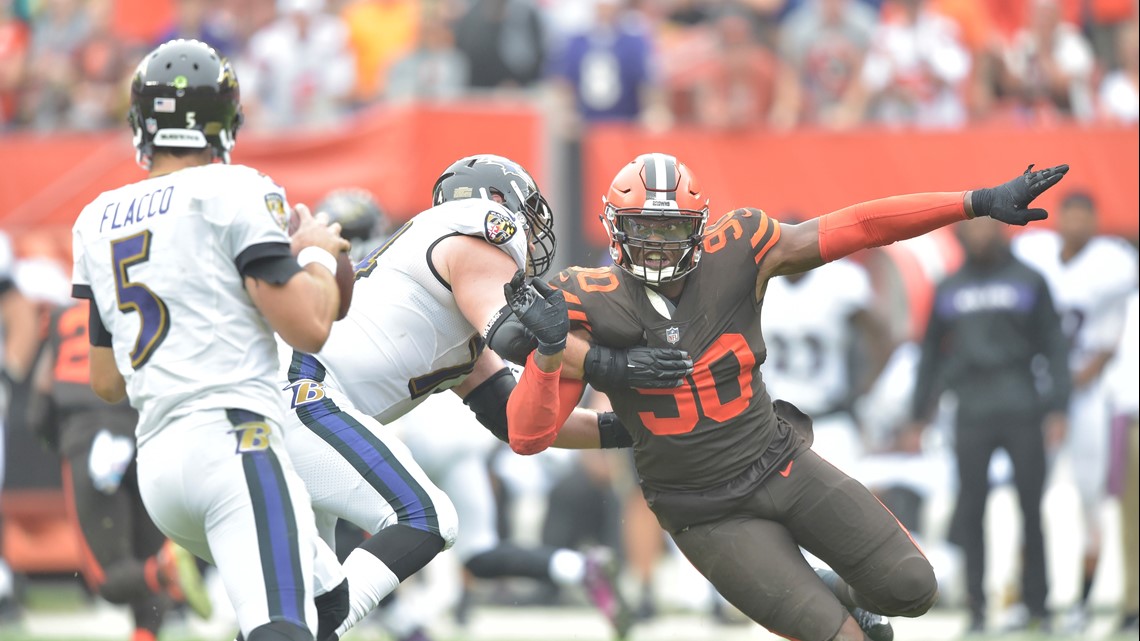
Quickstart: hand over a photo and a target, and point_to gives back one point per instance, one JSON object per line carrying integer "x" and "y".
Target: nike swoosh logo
{"x": 787, "y": 470}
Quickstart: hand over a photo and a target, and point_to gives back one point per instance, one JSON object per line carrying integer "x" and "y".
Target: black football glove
{"x": 1008, "y": 202}
{"x": 610, "y": 369}
{"x": 541, "y": 309}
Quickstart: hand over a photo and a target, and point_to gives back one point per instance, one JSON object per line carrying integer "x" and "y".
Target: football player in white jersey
{"x": 426, "y": 304}
{"x": 189, "y": 273}
{"x": 1090, "y": 278}
{"x": 809, "y": 352}
{"x": 443, "y": 443}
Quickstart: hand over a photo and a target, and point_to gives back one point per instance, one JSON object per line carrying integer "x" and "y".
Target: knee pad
{"x": 280, "y": 631}
{"x": 404, "y": 549}
{"x": 913, "y": 587}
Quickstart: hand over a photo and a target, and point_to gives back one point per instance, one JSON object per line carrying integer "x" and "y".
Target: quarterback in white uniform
{"x": 425, "y": 305}
{"x": 189, "y": 273}
{"x": 809, "y": 351}
{"x": 1090, "y": 278}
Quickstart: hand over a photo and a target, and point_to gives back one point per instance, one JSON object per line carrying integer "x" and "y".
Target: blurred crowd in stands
{"x": 713, "y": 63}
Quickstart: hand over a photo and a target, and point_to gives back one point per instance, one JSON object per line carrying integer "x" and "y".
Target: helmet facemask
{"x": 504, "y": 181}
{"x": 655, "y": 246}
{"x": 540, "y": 233}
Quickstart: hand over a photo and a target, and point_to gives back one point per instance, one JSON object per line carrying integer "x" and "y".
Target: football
{"x": 345, "y": 276}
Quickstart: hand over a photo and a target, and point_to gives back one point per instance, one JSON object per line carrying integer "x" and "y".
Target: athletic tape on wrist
{"x": 314, "y": 254}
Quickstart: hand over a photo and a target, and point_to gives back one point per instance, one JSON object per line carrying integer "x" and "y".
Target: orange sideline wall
{"x": 817, "y": 172}
{"x": 397, "y": 153}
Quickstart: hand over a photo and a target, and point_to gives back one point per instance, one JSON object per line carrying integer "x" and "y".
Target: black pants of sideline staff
{"x": 975, "y": 443}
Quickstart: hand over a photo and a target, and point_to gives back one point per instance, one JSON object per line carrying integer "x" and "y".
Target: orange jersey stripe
{"x": 769, "y": 228}
{"x": 571, "y": 298}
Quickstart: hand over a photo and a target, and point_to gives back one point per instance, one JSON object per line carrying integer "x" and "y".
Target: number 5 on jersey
{"x": 134, "y": 297}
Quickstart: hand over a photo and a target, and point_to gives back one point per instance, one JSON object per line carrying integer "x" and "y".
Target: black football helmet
{"x": 362, "y": 220}
{"x": 184, "y": 94}
{"x": 487, "y": 175}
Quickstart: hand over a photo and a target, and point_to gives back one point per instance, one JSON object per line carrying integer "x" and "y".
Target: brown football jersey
{"x": 720, "y": 420}
{"x": 80, "y": 413}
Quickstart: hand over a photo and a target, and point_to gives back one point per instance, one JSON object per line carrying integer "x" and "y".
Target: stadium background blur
{"x": 795, "y": 106}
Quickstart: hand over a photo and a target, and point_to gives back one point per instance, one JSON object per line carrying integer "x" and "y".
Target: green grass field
{"x": 61, "y": 611}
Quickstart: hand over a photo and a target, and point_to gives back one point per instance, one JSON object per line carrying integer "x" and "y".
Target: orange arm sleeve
{"x": 538, "y": 407}
{"x": 881, "y": 222}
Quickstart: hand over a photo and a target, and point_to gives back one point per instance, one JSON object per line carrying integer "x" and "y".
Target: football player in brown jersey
{"x": 728, "y": 472}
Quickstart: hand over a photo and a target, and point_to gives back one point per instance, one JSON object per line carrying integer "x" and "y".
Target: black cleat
{"x": 875, "y": 626}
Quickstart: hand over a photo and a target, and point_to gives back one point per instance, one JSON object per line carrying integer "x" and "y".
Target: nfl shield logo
{"x": 672, "y": 335}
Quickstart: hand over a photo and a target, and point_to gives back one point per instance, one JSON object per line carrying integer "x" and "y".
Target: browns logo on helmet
{"x": 655, "y": 215}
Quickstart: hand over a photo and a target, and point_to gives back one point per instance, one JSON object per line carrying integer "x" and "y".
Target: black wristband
{"x": 549, "y": 349}
{"x": 612, "y": 433}
{"x": 601, "y": 368}
{"x": 981, "y": 201}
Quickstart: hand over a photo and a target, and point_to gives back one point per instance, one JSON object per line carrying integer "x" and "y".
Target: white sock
{"x": 369, "y": 581}
{"x": 567, "y": 567}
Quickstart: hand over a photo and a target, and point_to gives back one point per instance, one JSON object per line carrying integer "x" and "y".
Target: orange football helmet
{"x": 655, "y": 215}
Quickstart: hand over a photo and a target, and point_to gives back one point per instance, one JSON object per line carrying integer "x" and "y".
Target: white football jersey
{"x": 158, "y": 257}
{"x": 807, "y": 333}
{"x": 1089, "y": 291}
{"x": 404, "y": 337}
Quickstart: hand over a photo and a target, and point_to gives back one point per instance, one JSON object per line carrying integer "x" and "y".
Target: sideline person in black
{"x": 990, "y": 320}
{"x": 126, "y": 560}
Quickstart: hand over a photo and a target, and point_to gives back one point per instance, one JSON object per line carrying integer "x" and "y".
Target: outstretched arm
{"x": 884, "y": 221}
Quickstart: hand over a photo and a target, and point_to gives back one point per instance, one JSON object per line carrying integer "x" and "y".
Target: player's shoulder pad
{"x": 586, "y": 280}
{"x": 743, "y": 225}
{"x": 480, "y": 217}
{"x": 241, "y": 190}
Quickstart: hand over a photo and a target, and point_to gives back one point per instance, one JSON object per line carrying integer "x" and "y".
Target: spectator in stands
{"x": 981, "y": 38}
{"x": 299, "y": 70}
{"x": 822, "y": 44}
{"x": 382, "y": 32}
{"x": 606, "y": 72}
{"x": 434, "y": 69}
{"x": 1102, "y": 21}
{"x": 914, "y": 72}
{"x": 103, "y": 62}
{"x": 739, "y": 87}
{"x": 503, "y": 42}
{"x": 13, "y": 56}
{"x": 59, "y": 30}
{"x": 1119, "y": 96}
{"x": 205, "y": 20}
{"x": 763, "y": 17}
{"x": 1049, "y": 67}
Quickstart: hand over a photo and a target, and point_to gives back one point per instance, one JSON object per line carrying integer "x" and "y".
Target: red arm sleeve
{"x": 881, "y": 222}
{"x": 538, "y": 407}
